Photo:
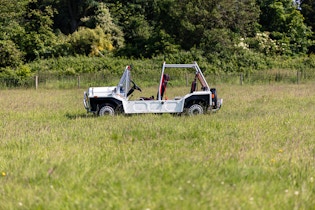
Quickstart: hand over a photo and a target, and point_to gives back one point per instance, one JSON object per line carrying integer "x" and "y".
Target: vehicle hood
{"x": 101, "y": 91}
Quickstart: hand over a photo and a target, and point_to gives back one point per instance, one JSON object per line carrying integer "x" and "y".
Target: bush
{"x": 10, "y": 55}
{"x": 79, "y": 64}
{"x": 16, "y": 77}
{"x": 310, "y": 61}
{"x": 90, "y": 42}
{"x": 264, "y": 44}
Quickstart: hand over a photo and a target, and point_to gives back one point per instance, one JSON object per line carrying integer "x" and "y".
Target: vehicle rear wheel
{"x": 195, "y": 109}
{"x": 106, "y": 110}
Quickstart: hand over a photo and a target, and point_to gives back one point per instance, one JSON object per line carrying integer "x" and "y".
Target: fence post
{"x": 79, "y": 81}
{"x": 241, "y": 78}
{"x": 36, "y": 82}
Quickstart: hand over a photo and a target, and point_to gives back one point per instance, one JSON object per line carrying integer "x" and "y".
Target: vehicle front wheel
{"x": 106, "y": 110}
{"x": 195, "y": 109}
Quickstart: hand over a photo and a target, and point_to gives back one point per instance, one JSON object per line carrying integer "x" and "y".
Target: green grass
{"x": 257, "y": 152}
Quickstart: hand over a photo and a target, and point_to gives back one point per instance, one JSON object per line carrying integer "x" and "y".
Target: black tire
{"x": 195, "y": 109}
{"x": 106, "y": 110}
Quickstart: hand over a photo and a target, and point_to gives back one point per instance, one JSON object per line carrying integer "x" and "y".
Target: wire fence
{"x": 55, "y": 80}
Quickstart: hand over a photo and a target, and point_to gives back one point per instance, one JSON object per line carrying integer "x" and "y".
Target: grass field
{"x": 258, "y": 152}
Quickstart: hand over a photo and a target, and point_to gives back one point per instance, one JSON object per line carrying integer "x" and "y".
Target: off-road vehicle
{"x": 116, "y": 99}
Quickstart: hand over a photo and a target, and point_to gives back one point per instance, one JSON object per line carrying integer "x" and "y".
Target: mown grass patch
{"x": 255, "y": 153}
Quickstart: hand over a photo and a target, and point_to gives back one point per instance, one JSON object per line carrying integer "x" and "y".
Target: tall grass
{"x": 258, "y": 152}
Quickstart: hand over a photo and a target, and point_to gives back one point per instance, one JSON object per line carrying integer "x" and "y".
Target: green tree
{"x": 102, "y": 18}
{"x": 77, "y": 17}
{"x": 10, "y": 55}
{"x": 71, "y": 13}
{"x": 88, "y": 41}
{"x": 286, "y": 25}
{"x": 39, "y": 39}
{"x": 136, "y": 27}
{"x": 188, "y": 21}
{"x": 181, "y": 23}
{"x": 308, "y": 11}
{"x": 11, "y": 32}
{"x": 240, "y": 16}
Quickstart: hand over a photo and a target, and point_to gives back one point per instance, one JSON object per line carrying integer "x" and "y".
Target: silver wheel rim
{"x": 106, "y": 110}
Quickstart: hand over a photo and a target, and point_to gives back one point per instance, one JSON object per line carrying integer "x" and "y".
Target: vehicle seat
{"x": 193, "y": 86}
{"x": 165, "y": 80}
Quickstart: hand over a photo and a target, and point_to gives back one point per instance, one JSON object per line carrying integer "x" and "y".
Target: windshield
{"x": 124, "y": 83}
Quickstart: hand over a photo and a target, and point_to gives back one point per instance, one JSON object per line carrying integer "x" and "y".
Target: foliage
{"x": 310, "y": 61}
{"x": 182, "y": 24}
{"x": 71, "y": 14}
{"x": 39, "y": 39}
{"x": 10, "y": 55}
{"x": 227, "y": 34}
{"x": 137, "y": 34}
{"x": 91, "y": 41}
{"x": 104, "y": 20}
{"x": 11, "y": 33}
{"x": 241, "y": 17}
{"x": 263, "y": 43}
{"x": 308, "y": 11}
{"x": 17, "y": 77}
{"x": 80, "y": 64}
{"x": 219, "y": 42}
{"x": 286, "y": 25}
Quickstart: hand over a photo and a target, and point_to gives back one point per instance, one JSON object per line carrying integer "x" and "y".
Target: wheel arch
{"x": 97, "y": 102}
{"x": 203, "y": 100}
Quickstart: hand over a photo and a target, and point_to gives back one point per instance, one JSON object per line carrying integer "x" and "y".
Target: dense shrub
{"x": 148, "y": 70}
{"x": 90, "y": 41}
{"x": 10, "y": 55}
{"x": 17, "y": 77}
{"x": 310, "y": 61}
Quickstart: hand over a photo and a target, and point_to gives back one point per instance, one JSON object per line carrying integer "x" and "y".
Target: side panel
{"x": 163, "y": 106}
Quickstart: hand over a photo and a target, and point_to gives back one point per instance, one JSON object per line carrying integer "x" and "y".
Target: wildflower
{"x": 3, "y": 173}
{"x": 280, "y": 151}
{"x": 296, "y": 193}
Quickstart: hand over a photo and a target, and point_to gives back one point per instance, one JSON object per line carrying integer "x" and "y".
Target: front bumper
{"x": 218, "y": 106}
{"x": 86, "y": 101}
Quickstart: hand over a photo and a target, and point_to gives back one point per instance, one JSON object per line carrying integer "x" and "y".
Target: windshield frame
{"x": 124, "y": 84}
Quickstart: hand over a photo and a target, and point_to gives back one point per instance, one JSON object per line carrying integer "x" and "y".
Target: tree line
{"x": 213, "y": 29}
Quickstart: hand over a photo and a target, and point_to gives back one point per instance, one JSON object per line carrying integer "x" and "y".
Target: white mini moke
{"x": 115, "y": 100}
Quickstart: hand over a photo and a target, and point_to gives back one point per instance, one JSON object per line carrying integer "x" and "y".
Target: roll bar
{"x": 194, "y": 65}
